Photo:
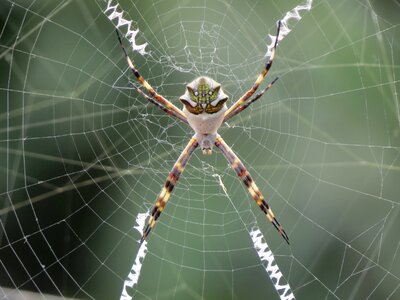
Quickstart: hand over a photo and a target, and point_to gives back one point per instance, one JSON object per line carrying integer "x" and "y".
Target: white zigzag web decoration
{"x": 294, "y": 15}
{"x": 133, "y": 276}
{"x": 112, "y": 13}
{"x": 267, "y": 257}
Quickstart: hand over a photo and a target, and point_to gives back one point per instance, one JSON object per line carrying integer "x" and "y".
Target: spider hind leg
{"x": 172, "y": 179}
{"x": 251, "y": 186}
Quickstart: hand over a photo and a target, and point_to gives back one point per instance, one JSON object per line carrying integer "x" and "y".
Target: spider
{"x": 204, "y": 110}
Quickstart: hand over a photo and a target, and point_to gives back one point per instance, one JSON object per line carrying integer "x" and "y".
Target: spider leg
{"x": 162, "y": 107}
{"x": 256, "y": 97}
{"x": 160, "y": 99}
{"x": 244, "y": 175}
{"x": 260, "y": 78}
{"x": 172, "y": 179}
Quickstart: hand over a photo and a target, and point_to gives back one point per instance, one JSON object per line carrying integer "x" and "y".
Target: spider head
{"x": 204, "y": 95}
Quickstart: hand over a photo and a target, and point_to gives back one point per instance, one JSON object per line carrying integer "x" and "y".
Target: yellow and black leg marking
{"x": 172, "y": 179}
{"x": 254, "y": 191}
{"x": 250, "y": 92}
{"x": 160, "y": 99}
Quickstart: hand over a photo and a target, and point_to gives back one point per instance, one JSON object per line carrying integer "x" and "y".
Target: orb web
{"x": 82, "y": 154}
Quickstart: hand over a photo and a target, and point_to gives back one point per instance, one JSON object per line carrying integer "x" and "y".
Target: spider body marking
{"x": 204, "y": 106}
{"x": 204, "y": 111}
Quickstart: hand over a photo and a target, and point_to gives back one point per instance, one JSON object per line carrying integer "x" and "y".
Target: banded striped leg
{"x": 172, "y": 179}
{"x": 260, "y": 78}
{"x": 167, "y": 110}
{"x": 256, "y": 97}
{"x": 244, "y": 175}
{"x": 160, "y": 99}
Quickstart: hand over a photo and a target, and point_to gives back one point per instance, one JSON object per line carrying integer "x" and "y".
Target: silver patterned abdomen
{"x": 205, "y": 126}
{"x": 205, "y": 123}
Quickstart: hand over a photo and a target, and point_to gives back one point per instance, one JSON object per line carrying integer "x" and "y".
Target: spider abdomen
{"x": 206, "y": 126}
{"x": 205, "y": 123}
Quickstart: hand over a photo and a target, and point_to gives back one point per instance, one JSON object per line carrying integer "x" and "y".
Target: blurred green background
{"x": 81, "y": 153}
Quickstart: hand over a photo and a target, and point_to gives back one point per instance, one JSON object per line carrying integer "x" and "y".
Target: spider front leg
{"x": 172, "y": 179}
{"x": 163, "y": 108}
{"x": 175, "y": 111}
{"x": 229, "y": 113}
{"x": 252, "y": 100}
{"x": 244, "y": 175}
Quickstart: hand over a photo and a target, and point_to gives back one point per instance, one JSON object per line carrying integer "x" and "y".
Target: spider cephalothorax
{"x": 204, "y": 111}
{"x": 203, "y": 95}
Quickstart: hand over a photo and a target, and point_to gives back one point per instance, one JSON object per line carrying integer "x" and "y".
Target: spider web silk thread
{"x": 134, "y": 273}
{"x": 268, "y": 260}
{"x": 366, "y": 257}
{"x": 296, "y": 14}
